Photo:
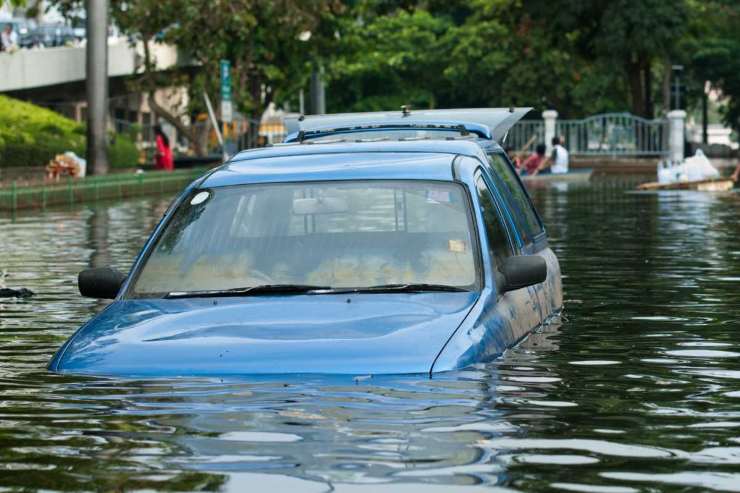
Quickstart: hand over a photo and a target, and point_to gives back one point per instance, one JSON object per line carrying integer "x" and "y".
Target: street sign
{"x": 225, "y": 80}
{"x": 227, "y": 113}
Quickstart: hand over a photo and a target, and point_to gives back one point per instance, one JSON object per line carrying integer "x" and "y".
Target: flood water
{"x": 637, "y": 390}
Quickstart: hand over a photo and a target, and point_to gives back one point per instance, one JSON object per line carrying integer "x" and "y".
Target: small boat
{"x": 573, "y": 176}
{"x": 710, "y": 185}
{"x": 691, "y": 173}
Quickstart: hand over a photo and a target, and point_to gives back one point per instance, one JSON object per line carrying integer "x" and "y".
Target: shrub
{"x": 32, "y": 136}
{"x": 122, "y": 152}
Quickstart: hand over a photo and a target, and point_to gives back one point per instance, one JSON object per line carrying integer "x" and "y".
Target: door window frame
{"x": 535, "y": 242}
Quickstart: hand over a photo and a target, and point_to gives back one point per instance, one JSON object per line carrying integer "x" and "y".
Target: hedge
{"x": 31, "y": 136}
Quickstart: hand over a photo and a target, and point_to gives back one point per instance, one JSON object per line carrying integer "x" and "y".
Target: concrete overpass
{"x": 55, "y": 78}
{"x": 25, "y": 70}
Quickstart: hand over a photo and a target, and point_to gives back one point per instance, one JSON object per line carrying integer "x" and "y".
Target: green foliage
{"x": 382, "y": 63}
{"x": 716, "y": 54}
{"x": 578, "y": 56}
{"x": 32, "y": 136}
{"x": 122, "y": 152}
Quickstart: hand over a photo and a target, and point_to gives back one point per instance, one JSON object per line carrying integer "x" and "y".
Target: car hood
{"x": 347, "y": 334}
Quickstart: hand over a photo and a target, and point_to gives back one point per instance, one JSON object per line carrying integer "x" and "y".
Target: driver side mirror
{"x": 102, "y": 283}
{"x": 522, "y": 271}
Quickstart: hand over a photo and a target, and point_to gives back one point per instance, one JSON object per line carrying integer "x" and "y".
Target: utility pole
{"x": 97, "y": 85}
{"x": 318, "y": 96}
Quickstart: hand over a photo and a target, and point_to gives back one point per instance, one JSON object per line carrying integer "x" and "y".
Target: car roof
{"x": 420, "y": 160}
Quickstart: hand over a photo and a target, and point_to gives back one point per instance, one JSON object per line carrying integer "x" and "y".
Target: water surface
{"x": 638, "y": 390}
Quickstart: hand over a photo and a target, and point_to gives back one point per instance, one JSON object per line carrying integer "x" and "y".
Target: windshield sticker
{"x": 456, "y": 246}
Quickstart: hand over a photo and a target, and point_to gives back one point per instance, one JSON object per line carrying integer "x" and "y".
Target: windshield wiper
{"x": 400, "y": 288}
{"x": 249, "y": 291}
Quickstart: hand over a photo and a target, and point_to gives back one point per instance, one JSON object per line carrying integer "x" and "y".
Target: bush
{"x": 122, "y": 152}
{"x": 32, "y": 136}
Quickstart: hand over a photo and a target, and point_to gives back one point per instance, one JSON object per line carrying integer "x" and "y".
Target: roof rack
{"x": 497, "y": 120}
{"x": 307, "y": 134}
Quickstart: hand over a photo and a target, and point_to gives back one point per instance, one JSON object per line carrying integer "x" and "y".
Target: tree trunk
{"x": 186, "y": 131}
{"x": 667, "y": 86}
{"x": 637, "y": 98}
{"x": 648, "y": 89}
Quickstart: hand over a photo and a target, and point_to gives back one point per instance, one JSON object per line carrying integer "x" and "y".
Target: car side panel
{"x": 494, "y": 324}
{"x": 496, "y": 321}
{"x": 550, "y": 292}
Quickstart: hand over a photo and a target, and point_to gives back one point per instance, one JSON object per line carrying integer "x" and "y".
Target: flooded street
{"x": 637, "y": 390}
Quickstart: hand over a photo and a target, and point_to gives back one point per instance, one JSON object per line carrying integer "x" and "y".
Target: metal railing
{"x": 615, "y": 134}
{"x": 525, "y": 135}
{"x": 71, "y": 191}
{"x": 608, "y": 134}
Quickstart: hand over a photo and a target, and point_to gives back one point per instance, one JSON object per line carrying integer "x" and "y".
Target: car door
{"x": 517, "y": 310}
{"x": 532, "y": 236}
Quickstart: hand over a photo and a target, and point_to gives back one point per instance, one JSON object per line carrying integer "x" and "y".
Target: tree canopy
{"x": 577, "y": 56}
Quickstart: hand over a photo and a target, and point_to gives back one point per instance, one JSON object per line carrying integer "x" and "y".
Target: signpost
{"x": 227, "y": 111}
{"x": 227, "y": 115}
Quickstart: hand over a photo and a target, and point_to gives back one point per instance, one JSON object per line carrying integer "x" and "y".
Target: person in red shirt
{"x": 736, "y": 175}
{"x": 532, "y": 164}
{"x": 163, "y": 158}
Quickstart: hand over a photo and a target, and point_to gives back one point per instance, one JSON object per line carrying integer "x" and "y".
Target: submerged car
{"x": 339, "y": 258}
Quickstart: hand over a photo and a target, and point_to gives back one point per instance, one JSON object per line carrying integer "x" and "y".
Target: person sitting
{"x": 9, "y": 39}
{"x": 514, "y": 157}
{"x": 560, "y": 158}
{"x": 536, "y": 161}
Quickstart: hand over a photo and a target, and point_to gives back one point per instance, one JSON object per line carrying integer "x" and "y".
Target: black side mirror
{"x": 522, "y": 271}
{"x": 100, "y": 283}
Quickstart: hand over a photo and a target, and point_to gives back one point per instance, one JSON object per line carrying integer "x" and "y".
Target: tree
{"x": 259, "y": 37}
{"x": 387, "y": 60}
{"x": 716, "y": 55}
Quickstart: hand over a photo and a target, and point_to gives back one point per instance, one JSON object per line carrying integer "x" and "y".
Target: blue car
{"x": 385, "y": 257}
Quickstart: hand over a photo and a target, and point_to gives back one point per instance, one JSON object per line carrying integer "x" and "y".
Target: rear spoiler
{"x": 498, "y": 120}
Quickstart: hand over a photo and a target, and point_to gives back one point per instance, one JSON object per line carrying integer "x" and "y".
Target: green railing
{"x": 72, "y": 191}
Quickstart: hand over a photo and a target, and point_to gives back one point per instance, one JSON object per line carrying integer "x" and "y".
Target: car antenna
{"x": 405, "y": 110}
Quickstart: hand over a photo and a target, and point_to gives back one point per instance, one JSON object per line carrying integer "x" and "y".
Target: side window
{"x": 498, "y": 241}
{"x": 521, "y": 202}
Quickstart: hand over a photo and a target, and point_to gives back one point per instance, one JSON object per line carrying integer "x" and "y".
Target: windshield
{"x": 330, "y": 234}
